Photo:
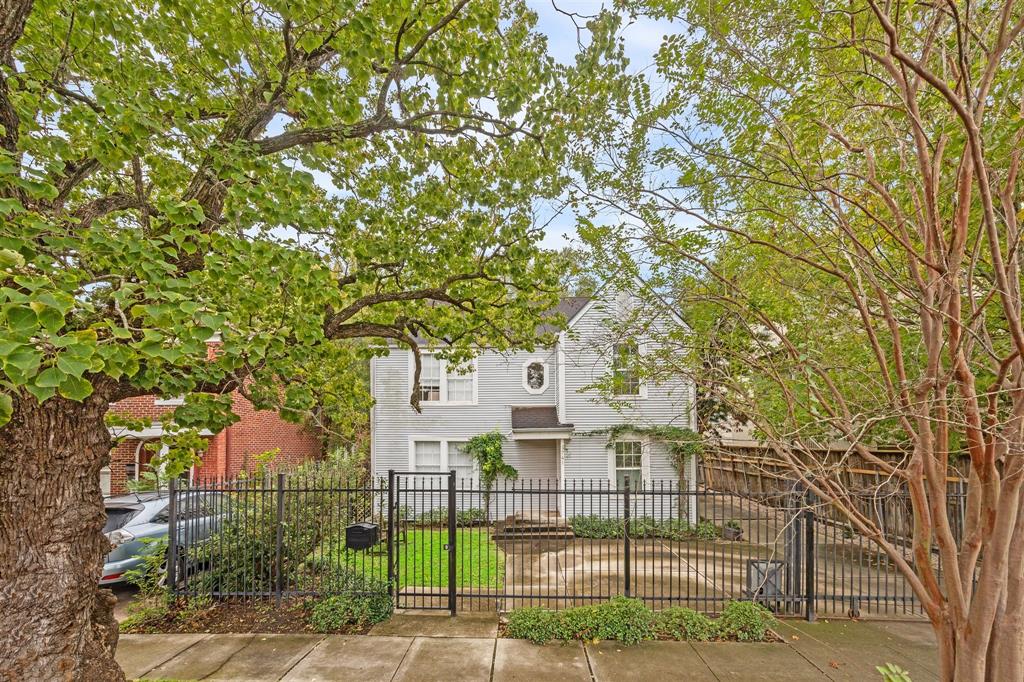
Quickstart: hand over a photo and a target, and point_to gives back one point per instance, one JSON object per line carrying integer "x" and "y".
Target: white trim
{"x": 541, "y": 434}
{"x": 560, "y": 404}
{"x": 154, "y": 430}
{"x": 444, "y": 463}
{"x": 547, "y": 379}
{"x": 167, "y": 402}
{"x": 582, "y": 312}
{"x": 645, "y": 458}
{"x": 641, "y": 350}
{"x": 475, "y": 374}
{"x": 373, "y": 416}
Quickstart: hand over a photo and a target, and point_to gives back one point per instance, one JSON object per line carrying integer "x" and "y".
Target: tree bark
{"x": 57, "y": 623}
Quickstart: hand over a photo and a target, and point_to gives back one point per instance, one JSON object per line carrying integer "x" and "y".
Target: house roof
{"x": 529, "y": 418}
{"x": 570, "y": 307}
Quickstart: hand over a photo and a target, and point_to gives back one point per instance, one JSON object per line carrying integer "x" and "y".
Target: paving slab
{"x": 434, "y": 625}
{"x": 351, "y": 657}
{"x": 436, "y": 659}
{"x": 749, "y": 661}
{"x": 875, "y": 643}
{"x": 200, "y": 660}
{"x": 612, "y": 661}
{"x": 138, "y": 654}
{"x": 517, "y": 659}
{"x": 266, "y": 657}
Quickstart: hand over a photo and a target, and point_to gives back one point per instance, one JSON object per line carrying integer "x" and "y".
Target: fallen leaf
{"x": 834, "y": 664}
{"x": 795, "y": 637}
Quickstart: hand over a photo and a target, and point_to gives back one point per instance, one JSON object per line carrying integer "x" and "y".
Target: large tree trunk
{"x": 57, "y": 623}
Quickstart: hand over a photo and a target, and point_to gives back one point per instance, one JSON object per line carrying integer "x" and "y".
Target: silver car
{"x": 132, "y": 518}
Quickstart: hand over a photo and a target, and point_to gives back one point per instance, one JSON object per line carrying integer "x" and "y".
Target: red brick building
{"x": 232, "y": 450}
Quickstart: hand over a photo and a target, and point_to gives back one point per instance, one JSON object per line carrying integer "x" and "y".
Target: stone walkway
{"x": 415, "y": 647}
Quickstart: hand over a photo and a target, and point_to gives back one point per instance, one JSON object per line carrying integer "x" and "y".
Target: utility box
{"x": 362, "y": 535}
{"x": 765, "y": 579}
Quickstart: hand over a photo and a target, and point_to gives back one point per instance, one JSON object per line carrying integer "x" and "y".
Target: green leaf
{"x": 6, "y": 408}
{"x": 74, "y": 388}
{"x": 50, "y": 377}
{"x": 68, "y": 364}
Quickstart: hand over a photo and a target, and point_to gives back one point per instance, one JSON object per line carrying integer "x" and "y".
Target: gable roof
{"x": 570, "y": 307}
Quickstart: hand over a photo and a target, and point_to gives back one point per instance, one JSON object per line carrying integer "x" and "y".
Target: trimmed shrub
{"x": 532, "y": 623}
{"x": 630, "y": 621}
{"x": 684, "y": 624}
{"x": 745, "y": 621}
{"x": 334, "y": 613}
{"x": 597, "y": 527}
{"x": 626, "y": 620}
{"x": 621, "y": 619}
{"x": 605, "y": 528}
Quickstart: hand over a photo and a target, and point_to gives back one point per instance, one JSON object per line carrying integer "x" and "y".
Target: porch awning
{"x": 538, "y": 422}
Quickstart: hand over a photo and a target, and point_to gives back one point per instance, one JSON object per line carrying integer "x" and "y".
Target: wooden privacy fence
{"x": 756, "y": 472}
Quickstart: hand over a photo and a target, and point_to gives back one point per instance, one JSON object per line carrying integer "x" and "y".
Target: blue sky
{"x": 642, "y": 38}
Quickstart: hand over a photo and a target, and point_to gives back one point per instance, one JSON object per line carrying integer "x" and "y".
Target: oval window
{"x": 535, "y": 379}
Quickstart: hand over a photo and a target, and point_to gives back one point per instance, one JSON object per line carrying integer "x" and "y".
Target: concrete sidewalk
{"x": 414, "y": 647}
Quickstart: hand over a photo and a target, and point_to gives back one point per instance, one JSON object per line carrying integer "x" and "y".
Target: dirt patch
{"x": 234, "y": 617}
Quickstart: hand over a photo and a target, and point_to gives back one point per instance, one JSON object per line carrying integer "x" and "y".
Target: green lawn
{"x": 422, "y": 561}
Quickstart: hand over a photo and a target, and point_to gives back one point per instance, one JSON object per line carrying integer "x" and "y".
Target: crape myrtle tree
{"x": 288, "y": 175}
{"x": 832, "y": 193}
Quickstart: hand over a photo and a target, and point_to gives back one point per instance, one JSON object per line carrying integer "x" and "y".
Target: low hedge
{"x": 630, "y": 621}
{"x": 604, "y": 528}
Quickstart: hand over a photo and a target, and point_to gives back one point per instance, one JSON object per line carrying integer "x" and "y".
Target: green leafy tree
{"x": 841, "y": 181}
{"x": 287, "y": 175}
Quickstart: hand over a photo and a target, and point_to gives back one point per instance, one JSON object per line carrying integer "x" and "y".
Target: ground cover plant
{"x": 630, "y": 621}
{"x": 335, "y": 613}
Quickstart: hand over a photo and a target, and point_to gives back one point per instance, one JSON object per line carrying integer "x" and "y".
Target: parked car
{"x": 133, "y": 518}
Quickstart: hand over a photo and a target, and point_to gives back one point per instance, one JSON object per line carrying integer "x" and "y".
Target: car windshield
{"x": 117, "y": 517}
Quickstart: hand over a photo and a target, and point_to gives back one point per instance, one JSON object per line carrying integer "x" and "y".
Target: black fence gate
{"x": 421, "y": 524}
{"x": 442, "y": 543}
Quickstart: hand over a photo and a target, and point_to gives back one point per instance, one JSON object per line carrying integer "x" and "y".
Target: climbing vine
{"x": 486, "y": 450}
{"x": 682, "y": 443}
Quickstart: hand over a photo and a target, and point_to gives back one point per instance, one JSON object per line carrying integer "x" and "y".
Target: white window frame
{"x": 444, "y": 381}
{"x": 547, "y": 377}
{"x": 445, "y": 442}
{"x": 169, "y": 402}
{"x": 645, "y": 460}
{"x": 641, "y": 350}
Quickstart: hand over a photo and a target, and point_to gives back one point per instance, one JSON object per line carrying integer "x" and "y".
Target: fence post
{"x": 625, "y": 536}
{"x": 279, "y": 540}
{"x": 809, "y": 577}
{"x": 172, "y": 537}
{"x": 391, "y": 532}
{"x": 451, "y": 542}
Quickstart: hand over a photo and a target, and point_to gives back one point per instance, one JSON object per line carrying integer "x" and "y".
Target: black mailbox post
{"x": 361, "y": 535}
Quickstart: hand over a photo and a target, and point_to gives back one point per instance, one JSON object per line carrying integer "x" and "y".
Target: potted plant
{"x": 732, "y": 530}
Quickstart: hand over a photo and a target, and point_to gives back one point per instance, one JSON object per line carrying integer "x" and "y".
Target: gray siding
{"x": 499, "y": 386}
{"x": 587, "y": 357}
{"x": 585, "y": 352}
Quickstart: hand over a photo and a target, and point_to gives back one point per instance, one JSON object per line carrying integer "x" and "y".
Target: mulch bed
{"x": 240, "y": 617}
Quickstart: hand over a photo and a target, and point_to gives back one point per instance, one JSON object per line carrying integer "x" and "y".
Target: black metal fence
{"x": 434, "y": 542}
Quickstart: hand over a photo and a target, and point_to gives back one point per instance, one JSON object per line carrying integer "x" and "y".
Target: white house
{"x": 554, "y": 422}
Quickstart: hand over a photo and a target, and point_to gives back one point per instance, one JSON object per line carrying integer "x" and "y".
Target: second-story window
{"x": 441, "y": 382}
{"x": 624, "y": 376}
{"x": 430, "y": 378}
